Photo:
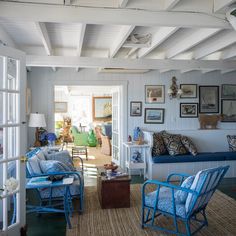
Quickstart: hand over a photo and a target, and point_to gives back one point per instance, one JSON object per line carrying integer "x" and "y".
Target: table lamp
{"x": 37, "y": 120}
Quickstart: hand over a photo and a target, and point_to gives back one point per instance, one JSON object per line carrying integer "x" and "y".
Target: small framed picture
{"x": 60, "y": 107}
{"x": 154, "y": 93}
{"x": 208, "y": 99}
{"x": 135, "y": 108}
{"x": 154, "y": 115}
{"x": 188, "y": 110}
{"x": 228, "y": 91}
{"x": 228, "y": 110}
{"x": 189, "y": 90}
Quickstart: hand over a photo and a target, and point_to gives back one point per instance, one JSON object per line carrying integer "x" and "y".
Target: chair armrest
{"x": 181, "y": 175}
{"x": 82, "y": 164}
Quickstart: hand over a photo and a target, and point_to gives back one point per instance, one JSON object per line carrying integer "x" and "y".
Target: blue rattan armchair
{"x": 184, "y": 202}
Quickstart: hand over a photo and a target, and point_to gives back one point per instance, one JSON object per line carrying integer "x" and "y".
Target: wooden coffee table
{"x": 113, "y": 193}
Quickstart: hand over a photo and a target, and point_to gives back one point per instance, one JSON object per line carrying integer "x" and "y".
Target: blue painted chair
{"x": 184, "y": 202}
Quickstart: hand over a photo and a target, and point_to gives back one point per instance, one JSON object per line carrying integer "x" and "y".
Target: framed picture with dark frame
{"x": 228, "y": 110}
{"x": 154, "y": 116}
{"x": 154, "y": 94}
{"x": 135, "y": 108}
{"x": 188, "y": 110}
{"x": 208, "y": 99}
{"x": 189, "y": 90}
{"x": 228, "y": 91}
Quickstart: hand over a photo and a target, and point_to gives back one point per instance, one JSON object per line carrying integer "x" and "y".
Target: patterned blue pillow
{"x": 51, "y": 166}
{"x": 181, "y": 196}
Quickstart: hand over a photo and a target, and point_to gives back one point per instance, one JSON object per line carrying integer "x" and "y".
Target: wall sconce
{"x": 174, "y": 91}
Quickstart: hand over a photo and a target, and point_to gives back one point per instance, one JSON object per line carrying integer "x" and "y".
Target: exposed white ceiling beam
{"x": 207, "y": 71}
{"x": 6, "y": 39}
{"x": 185, "y": 71}
{"x": 215, "y": 44}
{"x": 119, "y": 41}
{"x": 229, "y": 52}
{"x": 43, "y": 13}
{"x": 160, "y": 36}
{"x": 222, "y": 4}
{"x": 170, "y": 4}
{"x": 227, "y": 71}
{"x": 193, "y": 38}
{"x": 155, "y": 64}
{"x": 123, "y": 3}
{"x": 164, "y": 70}
{"x": 80, "y": 41}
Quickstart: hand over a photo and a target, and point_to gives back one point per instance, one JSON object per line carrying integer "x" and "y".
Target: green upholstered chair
{"x": 79, "y": 138}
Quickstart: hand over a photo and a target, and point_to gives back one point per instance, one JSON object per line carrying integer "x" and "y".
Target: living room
{"x": 167, "y": 75}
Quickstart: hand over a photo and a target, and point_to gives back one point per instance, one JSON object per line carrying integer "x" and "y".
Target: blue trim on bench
{"x": 201, "y": 157}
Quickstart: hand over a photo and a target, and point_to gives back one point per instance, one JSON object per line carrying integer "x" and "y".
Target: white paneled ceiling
{"x": 185, "y": 34}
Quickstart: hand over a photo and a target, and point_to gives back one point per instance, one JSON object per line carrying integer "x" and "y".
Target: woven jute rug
{"x": 221, "y": 212}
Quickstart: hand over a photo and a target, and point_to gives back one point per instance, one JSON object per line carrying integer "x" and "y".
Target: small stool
{"x": 77, "y": 151}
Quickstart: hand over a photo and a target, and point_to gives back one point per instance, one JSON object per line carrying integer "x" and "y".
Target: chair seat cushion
{"x": 165, "y": 202}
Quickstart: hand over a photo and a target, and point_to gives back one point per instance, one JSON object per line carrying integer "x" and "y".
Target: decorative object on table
{"x": 92, "y": 141}
{"x": 135, "y": 108}
{"x": 208, "y": 99}
{"x": 232, "y": 142}
{"x": 228, "y": 110}
{"x": 188, "y": 110}
{"x": 228, "y": 91}
{"x": 136, "y": 157}
{"x": 174, "y": 91}
{"x": 154, "y": 94}
{"x": 102, "y": 108}
{"x": 137, "y": 133}
{"x": 188, "y": 90}
{"x": 60, "y": 107}
{"x": 129, "y": 138}
{"x": 140, "y": 139}
{"x": 51, "y": 137}
{"x": 37, "y": 120}
{"x": 43, "y": 136}
{"x": 66, "y": 134}
{"x": 209, "y": 121}
{"x": 111, "y": 166}
{"x": 154, "y": 115}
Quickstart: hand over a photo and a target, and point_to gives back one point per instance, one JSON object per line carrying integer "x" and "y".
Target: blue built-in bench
{"x": 159, "y": 167}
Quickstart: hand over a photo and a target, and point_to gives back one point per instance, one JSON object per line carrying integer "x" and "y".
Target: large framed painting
{"x": 154, "y": 116}
{"x": 135, "y": 108}
{"x": 228, "y": 91}
{"x": 102, "y": 108}
{"x": 228, "y": 110}
{"x": 188, "y": 110}
{"x": 189, "y": 90}
{"x": 208, "y": 99}
{"x": 60, "y": 107}
{"x": 154, "y": 93}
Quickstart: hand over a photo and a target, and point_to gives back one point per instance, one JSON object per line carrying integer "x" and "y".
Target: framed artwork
{"x": 208, "y": 99}
{"x": 102, "y": 108}
{"x": 154, "y": 93}
{"x": 228, "y": 110}
{"x": 154, "y": 115}
{"x": 228, "y": 91}
{"x": 28, "y": 101}
{"x": 188, "y": 110}
{"x": 60, "y": 107}
{"x": 189, "y": 90}
{"x": 135, "y": 108}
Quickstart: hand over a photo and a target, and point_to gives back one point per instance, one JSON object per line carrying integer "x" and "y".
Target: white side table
{"x": 130, "y": 149}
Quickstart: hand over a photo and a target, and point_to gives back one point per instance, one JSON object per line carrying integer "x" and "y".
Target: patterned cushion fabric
{"x": 33, "y": 166}
{"x": 180, "y": 195}
{"x": 41, "y": 156}
{"x": 232, "y": 142}
{"x": 158, "y": 145}
{"x": 189, "y": 145}
{"x": 173, "y": 143}
{"x": 51, "y": 166}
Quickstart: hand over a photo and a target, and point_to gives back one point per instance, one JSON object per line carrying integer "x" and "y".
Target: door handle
{"x": 23, "y": 159}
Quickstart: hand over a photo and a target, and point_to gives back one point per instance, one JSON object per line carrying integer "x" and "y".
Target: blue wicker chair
{"x": 184, "y": 202}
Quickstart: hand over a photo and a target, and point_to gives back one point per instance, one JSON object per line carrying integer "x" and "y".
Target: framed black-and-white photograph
{"x": 189, "y": 90}
{"x": 188, "y": 110}
{"x": 135, "y": 108}
{"x": 228, "y": 110}
{"x": 154, "y": 116}
{"x": 228, "y": 91}
{"x": 208, "y": 99}
{"x": 154, "y": 93}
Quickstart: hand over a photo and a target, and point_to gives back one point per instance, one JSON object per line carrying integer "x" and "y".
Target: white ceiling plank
{"x": 226, "y": 71}
{"x": 185, "y": 71}
{"x": 229, "y": 52}
{"x": 155, "y": 64}
{"x": 164, "y": 70}
{"x": 207, "y": 71}
{"x": 123, "y": 35}
{"x": 43, "y": 13}
{"x": 215, "y": 44}
{"x": 44, "y": 37}
{"x": 222, "y": 4}
{"x": 189, "y": 41}
{"x": 160, "y": 36}
{"x": 80, "y": 41}
{"x": 6, "y": 39}
{"x": 170, "y": 4}
{"x": 123, "y": 3}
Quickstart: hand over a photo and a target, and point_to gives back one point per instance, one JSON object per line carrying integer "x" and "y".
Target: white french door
{"x": 12, "y": 139}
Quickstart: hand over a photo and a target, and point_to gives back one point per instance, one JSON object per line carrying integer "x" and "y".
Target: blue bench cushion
{"x": 200, "y": 157}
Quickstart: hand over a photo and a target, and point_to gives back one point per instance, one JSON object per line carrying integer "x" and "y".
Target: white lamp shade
{"x": 37, "y": 120}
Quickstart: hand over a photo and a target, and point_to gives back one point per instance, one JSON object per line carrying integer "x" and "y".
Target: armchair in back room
{"x": 106, "y": 134}
{"x": 79, "y": 138}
